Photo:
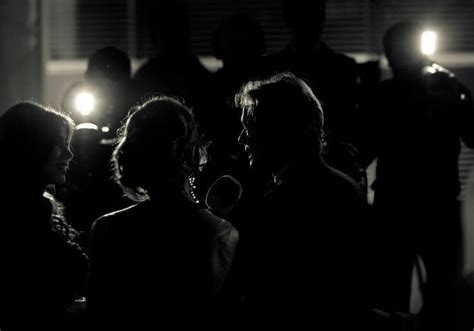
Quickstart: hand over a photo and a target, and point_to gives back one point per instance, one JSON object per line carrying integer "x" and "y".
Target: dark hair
{"x": 239, "y": 26}
{"x": 28, "y": 133}
{"x": 109, "y": 62}
{"x": 286, "y": 108}
{"x": 168, "y": 23}
{"x": 304, "y": 10}
{"x": 158, "y": 145}
{"x": 402, "y": 35}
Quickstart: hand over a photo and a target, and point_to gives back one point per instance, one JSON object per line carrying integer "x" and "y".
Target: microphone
{"x": 223, "y": 195}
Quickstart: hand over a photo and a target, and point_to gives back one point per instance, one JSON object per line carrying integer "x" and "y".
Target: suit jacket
{"x": 155, "y": 263}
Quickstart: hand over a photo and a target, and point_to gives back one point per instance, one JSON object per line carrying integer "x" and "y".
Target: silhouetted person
{"x": 106, "y": 94}
{"x": 413, "y": 124}
{"x": 162, "y": 261}
{"x": 173, "y": 69}
{"x": 98, "y": 104}
{"x": 332, "y": 76}
{"x": 90, "y": 190}
{"x": 302, "y": 244}
{"x": 43, "y": 269}
{"x": 239, "y": 42}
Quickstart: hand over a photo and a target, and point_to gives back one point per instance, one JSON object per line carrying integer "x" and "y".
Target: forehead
{"x": 62, "y": 132}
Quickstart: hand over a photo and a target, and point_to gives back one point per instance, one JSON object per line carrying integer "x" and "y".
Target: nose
{"x": 67, "y": 153}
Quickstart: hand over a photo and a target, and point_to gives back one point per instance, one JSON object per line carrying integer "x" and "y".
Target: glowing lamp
{"x": 85, "y": 103}
{"x": 428, "y": 42}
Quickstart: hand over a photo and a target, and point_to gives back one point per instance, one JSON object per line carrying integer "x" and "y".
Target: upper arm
{"x": 97, "y": 278}
{"x": 223, "y": 254}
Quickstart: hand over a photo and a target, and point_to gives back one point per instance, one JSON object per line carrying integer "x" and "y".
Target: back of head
{"x": 401, "y": 43}
{"x": 109, "y": 63}
{"x": 288, "y": 116}
{"x": 305, "y": 18}
{"x": 158, "y": 149}
{"x": 238, "y": 38}
{"x": 169, "y": 27}
{"x": 28, "y": 132}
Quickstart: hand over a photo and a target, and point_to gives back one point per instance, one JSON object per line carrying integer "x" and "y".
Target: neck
{"x": 296, "y": 165}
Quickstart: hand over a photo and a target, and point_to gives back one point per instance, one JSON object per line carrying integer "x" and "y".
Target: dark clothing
{"x": 156, "y": 264}
{"x": 415, "y": 135}
{"x": 90, "y": 190}
{"x": 303, "y": 252}
{"x": 42, "y": 272}
{"x": 413, "y": 127}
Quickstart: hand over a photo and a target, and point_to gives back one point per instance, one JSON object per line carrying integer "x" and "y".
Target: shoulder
{"x": 146, "y": 69}
{"x": 108, "y": 220}
{"x": 344, "y": 186}
{"x": 340, "y": 58}
{"x": 440, "y": 77}
{"x": 217, "y": 226}
{"x": 223, "y": 236}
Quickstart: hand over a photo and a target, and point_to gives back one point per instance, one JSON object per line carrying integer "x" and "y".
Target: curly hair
{"x": 159, "y": 146}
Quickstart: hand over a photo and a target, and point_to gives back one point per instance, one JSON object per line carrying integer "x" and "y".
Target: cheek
{"x": 54, "y": 156}
{"x": 50, "y": 166}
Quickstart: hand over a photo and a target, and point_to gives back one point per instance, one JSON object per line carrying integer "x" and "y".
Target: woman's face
{"x": 55, "y": 168}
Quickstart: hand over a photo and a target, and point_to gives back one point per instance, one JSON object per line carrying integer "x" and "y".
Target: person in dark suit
{"x": 304, "y": 233}
{"x": 413, "y": 124}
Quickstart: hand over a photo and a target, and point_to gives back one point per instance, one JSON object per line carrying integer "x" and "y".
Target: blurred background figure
{"x": 43, "y": 269}
{"x": 173, "y": 70}
{"x": 98, "y": 104}
{"x": 413, "y": 123}
{"x": 238, "y": 42}
{"x": 331, "y": 75}
{"x": 162, "y": 261}
{"x": 106, "y": 94}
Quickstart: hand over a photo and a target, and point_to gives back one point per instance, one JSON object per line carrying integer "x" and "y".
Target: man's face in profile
{"x": 248, "y": 135}
{"x": 262, "y": 143}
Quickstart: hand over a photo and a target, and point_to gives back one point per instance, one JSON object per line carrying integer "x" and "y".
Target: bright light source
{"x": 87, "y": 126}
{"x": 105, "y": 129}
{"x": 428, "y": 42}
{"x": 85, "y": 103}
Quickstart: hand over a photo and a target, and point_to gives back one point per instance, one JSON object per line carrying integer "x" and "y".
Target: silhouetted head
{"x": 401, "y": 45}
{"x": 305, "y": 19}
{"x": 238, "y": 39}
{"x": 169, "y": 27}
{"x": 282, "y": 121}
{"x": 34, "y": 143}
{"x": 108, "y": 63}
{"x": 158, "y": 150}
